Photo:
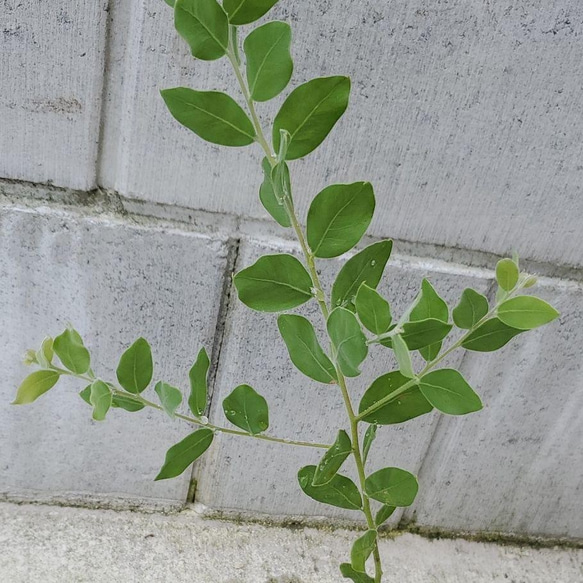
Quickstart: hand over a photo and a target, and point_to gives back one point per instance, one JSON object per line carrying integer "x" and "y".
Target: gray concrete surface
{"x": 65, "y": 545}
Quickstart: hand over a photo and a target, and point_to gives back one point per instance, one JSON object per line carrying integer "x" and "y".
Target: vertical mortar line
{"x": 426, "y": 454}
{"x": 234, "y": 245}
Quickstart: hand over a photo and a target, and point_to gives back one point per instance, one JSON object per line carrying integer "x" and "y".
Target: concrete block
{"x": 114, "y": 280}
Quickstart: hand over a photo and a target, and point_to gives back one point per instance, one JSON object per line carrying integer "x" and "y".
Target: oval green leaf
{"x": 35, "y": 385}
{"x": 214, "y": 116}
{"x": 385, "y": 512}
{"x": 170, "y": 398}
{"x": 507, "y": 274}
{"x": 447, "y": 390}
{"x": 126, "y": 403}
{"x": 369, "y": 437}
{"x": 268, "y": 197}
{"x": 69, "y": 347}
{"x": 422, "y": 333}
{"x": 333, "y": 459}
{"x": 181, "y": 455}
{"x": 472, "y": 308}
{"x": 135, "y": 368}
{"x": 309, "y": 114}
{"x": 429, "y": 305}
{"x": 269, "y": 63}
{"x": 338, "y": 218}
{"x": 246, "y": 11}
{"x": 367, "y": 266}
{"x": 304, "y": 349}
{"x": 392, "y": 486}
{"x": 348, "y": 572}
{"x": 403, "y": 356}
{"x": 340, "y": 491}
{"x": 274, "y": 283}
{"x": 373, "y": 310}
{"x": 198, "y": 375}
{"x": 362, "y": 549}
{"x": 100, "y": 398}
{"x": 204, "y": 26}
{"x": 247, "y": 409}
{"x": 489, "y": 336}
{"x": 348, "y": 340}
{"x": 406, "y": 406}
{"x": 526, "y": 312}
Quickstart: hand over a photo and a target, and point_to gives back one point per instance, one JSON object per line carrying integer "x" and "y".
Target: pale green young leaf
{"x": 333, "y": 459}
{"x": 367, "y": 266}
{"x": 526, "y": 312}
{"x": 269, "y": 199}
{"x": 373, "y": 310}
{"x": 472, "y": 308}
{"x": 135, "y": 368}
{"x": 69, "y": 347}
{"x": 204, "y": 26}
{"x": 214, "y": 116}
{"x": 340, "y": 491}
{"x": 348, "y": 572}
{"x": 507, "y": 274}
{"x": 489, "y": 336}
{"x": 247, "y": 409}
{"x": 362, "y": 549}
{"x": 403, "y": 356}
{"x": 447, "y": 390}
{"x": 304, "y": 349}
{"x": 35, "y": 385}
{"x": 100, "y": 398}
{"x": 170, "y": 398}
{"x": 309, "y": 113}
{"x": 406, "y": 406}
{"x": 181, "y": 455}
{"x": 348, "y": 340}
{"x": 274, "y": 283}
{"x": 392, "y": 486}
{"x": 269, "y": 63}
{"x": 45, "y": 355}
{"x": 247, "y": 11}
{"x": 385, "y": 512}
{"x": 198, "y": 375}
{"x": 338, "y": 218}
{"x": 369, "y": 437}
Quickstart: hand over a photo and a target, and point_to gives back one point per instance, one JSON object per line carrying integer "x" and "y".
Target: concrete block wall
{"x": 468, "y": 120}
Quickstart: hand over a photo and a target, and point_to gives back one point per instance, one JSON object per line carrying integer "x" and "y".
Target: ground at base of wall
{"x": 66, "y": 545}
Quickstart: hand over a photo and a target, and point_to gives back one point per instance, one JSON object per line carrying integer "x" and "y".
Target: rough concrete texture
{"x": 64, "y": 545}
{"x": 115, "y": 281}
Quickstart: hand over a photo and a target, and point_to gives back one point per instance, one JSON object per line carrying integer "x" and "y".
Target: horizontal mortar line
{"x": 455, "y": 260}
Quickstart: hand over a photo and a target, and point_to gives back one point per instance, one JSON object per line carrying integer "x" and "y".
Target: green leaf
{"x": 35, "y": 385}
{"x": 406, "y": 406}
{"x": 507, "y": 274}
{"x": 269, "y": 199}
{"x": 339, "y": 491}
{"x": 126, "y": 403}
{"x": 392, "y": 486}
{"x": 367, "y": 266}
{"x": 472, "y": 308}
{"x": 348, "y": 340}
{"x": 274, "y": 283}
{"x": 309, "y": 113}
{"x": 214, "y": 116}
{"x": 338, "y": 218}
{"x": 198, "y": 375}
{"x": 100, "y": 398}
{"x": 385, "y": 512}
{"x": 170, "y": 398}
{"x": 204, "y": 26}
{"x": 181, "y": 455}
{"x": 247, "y": 409}
{"x": 333, "y": 459}
{"x": 45, "y": 355}
{"x": 269, "y": 63}
{"x": 369, "y": 437}
{"x": 362, "y": 549}
{"x": 304, "y": 349}
{"x": 403, "y": 356}
{"x": 85, "y": 394}
{"x": 69, "y": 348}
{"x": 424, "y": 332}
{"x": 373, "y": 310}
{"x": 170, "y": 3}
{"x": 447, "y": 390}
{"x": 526, "y": 312}
{"x": 135, "y": 368}
{"x": 246, "y": 11}
{"x": 349, "y": 573}
{"x": 491, "y": 335}
{"x": 429, "y": 305}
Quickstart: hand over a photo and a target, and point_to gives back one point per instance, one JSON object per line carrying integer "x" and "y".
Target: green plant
{"x": 355, "y": 314}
